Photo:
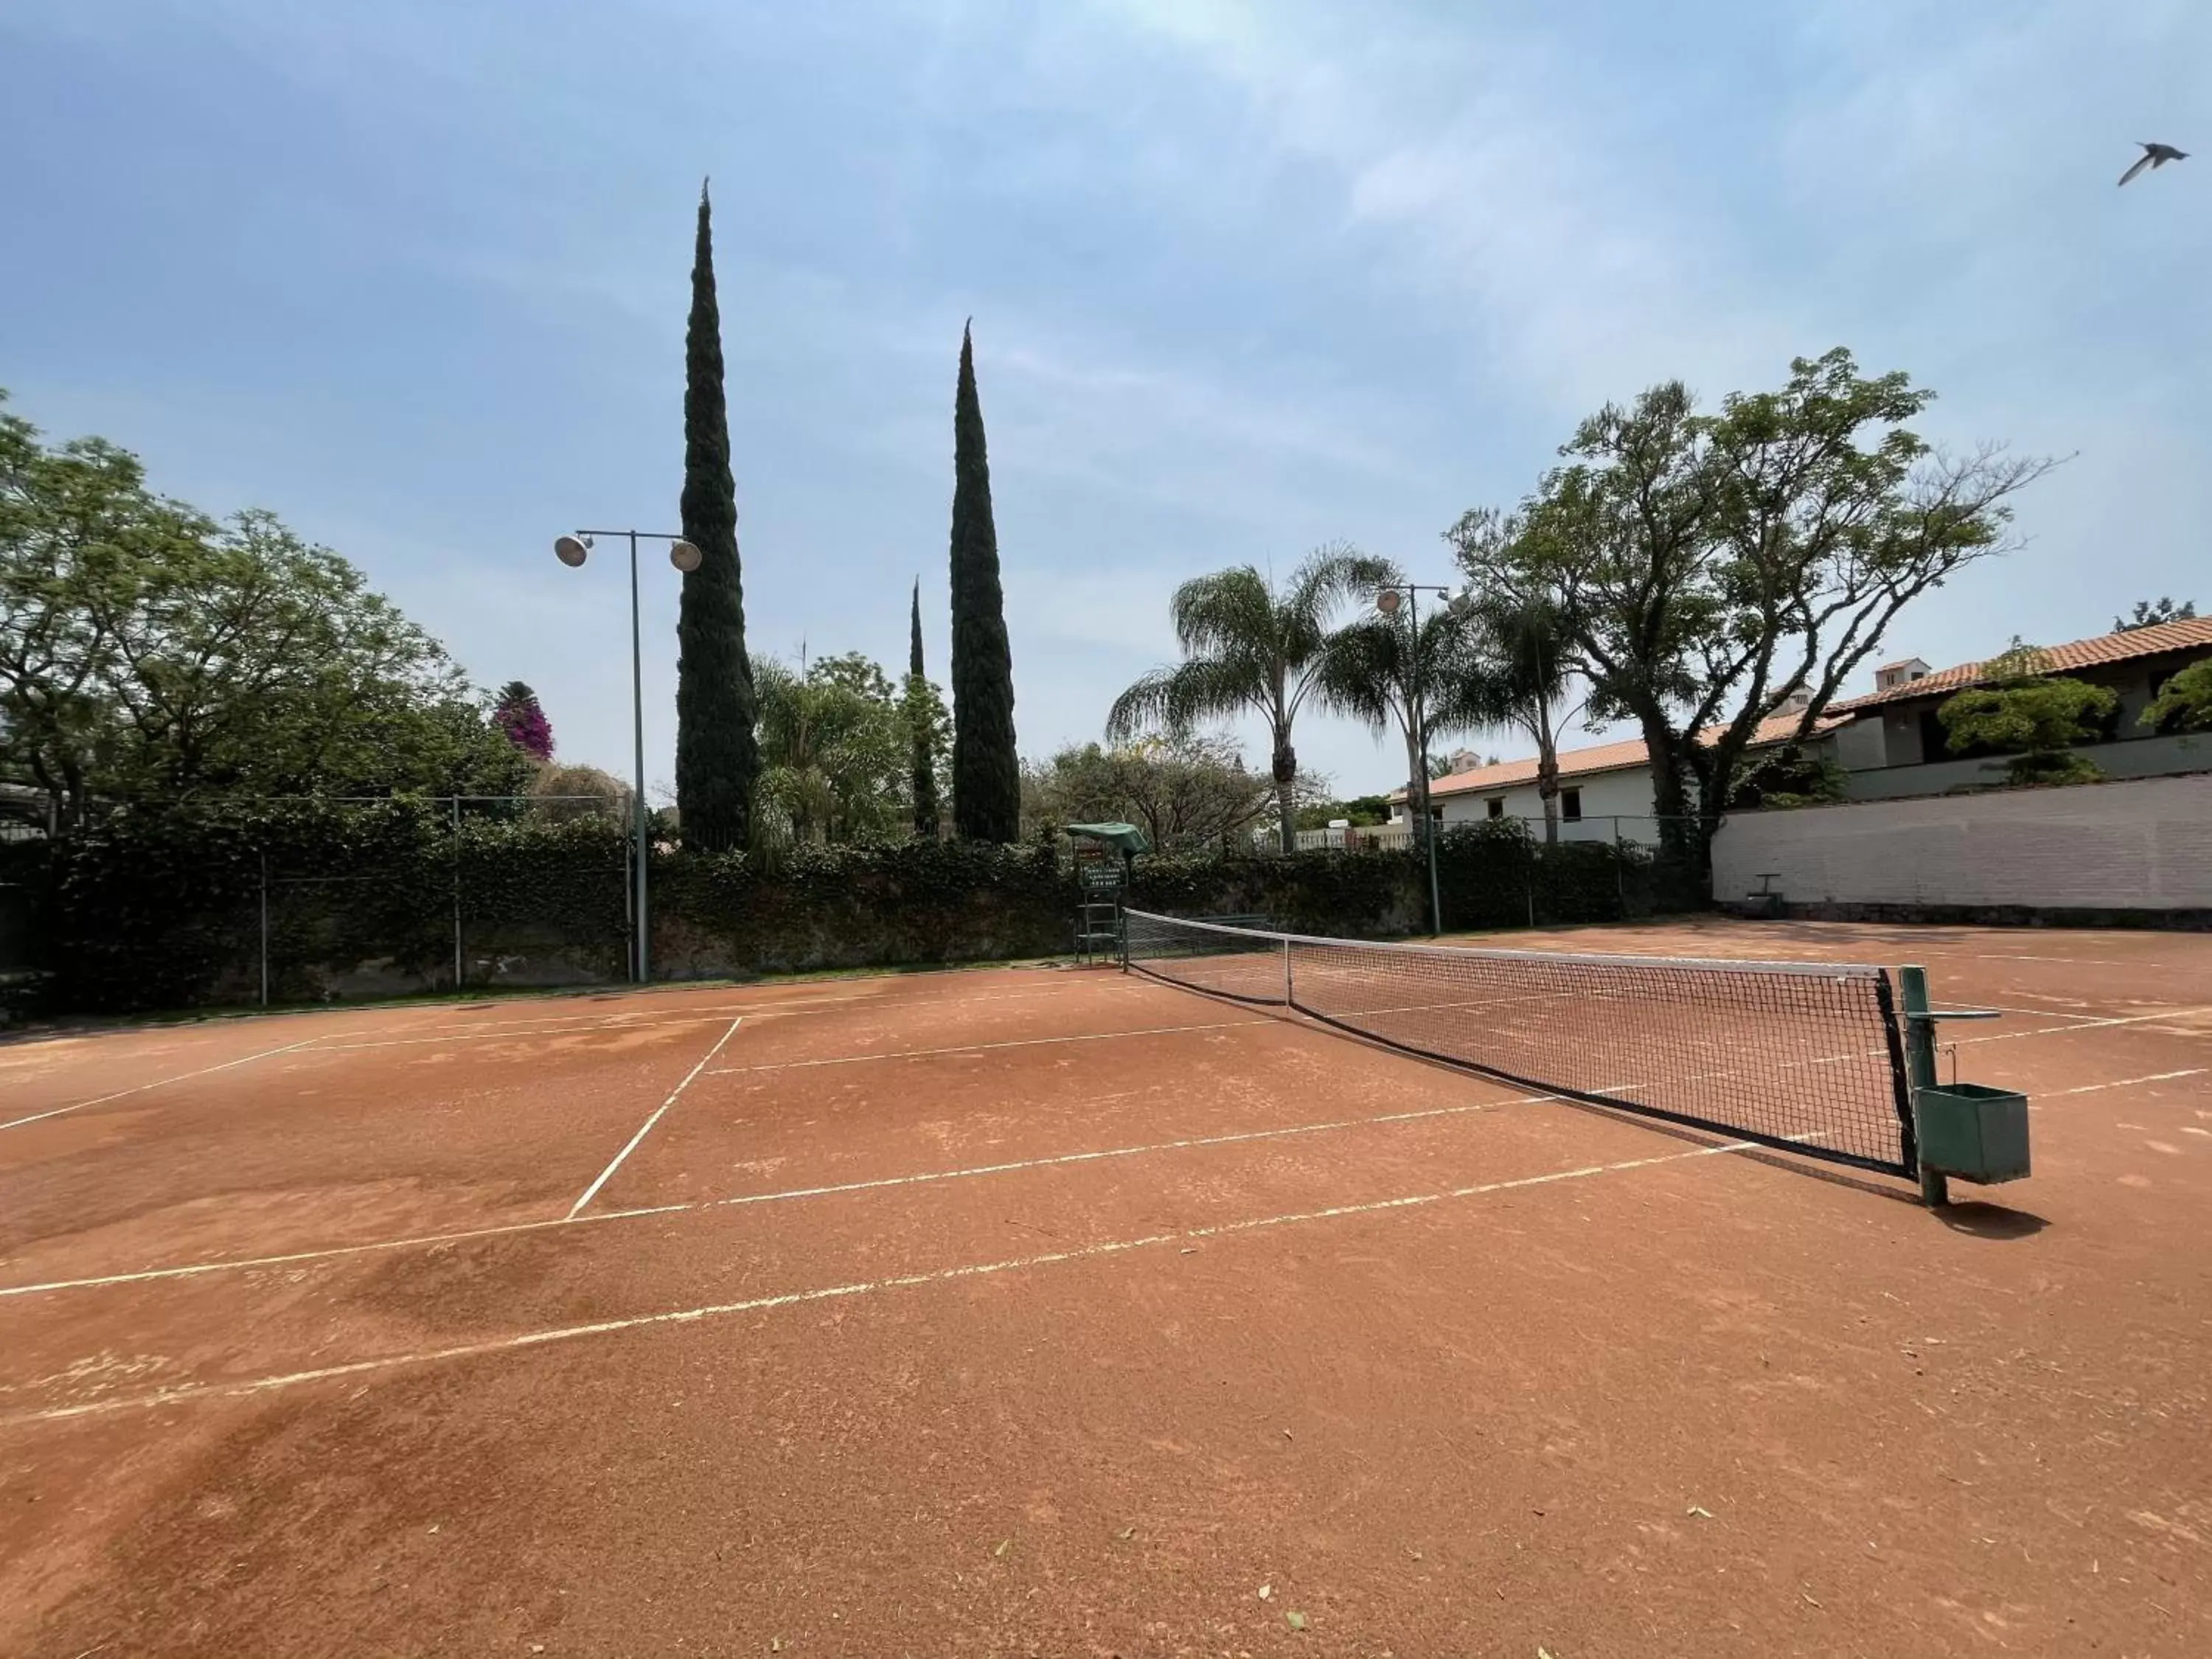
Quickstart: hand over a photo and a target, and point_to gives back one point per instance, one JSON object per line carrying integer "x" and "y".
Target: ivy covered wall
{"x": 188, "y": 908}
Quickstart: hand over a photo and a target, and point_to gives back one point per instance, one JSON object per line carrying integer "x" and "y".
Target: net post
{"x": 1290, "y": 1000}
{"x": 1920, "y": 1066}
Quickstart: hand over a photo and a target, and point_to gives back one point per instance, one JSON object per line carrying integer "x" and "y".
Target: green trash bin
{"x": 1972, "y": 1131}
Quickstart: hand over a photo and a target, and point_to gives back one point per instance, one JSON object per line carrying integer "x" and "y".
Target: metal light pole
{"x": 1389, "y": 600}
{"x": 571, "y": 550}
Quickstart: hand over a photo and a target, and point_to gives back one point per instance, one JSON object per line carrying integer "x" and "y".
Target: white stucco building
{"x": 1889, "y": 742}
{"x": 1604, "y": 791}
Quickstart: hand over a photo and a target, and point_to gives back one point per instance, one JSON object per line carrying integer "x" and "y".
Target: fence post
{"x": 1619, "y": 875}
{"x": 265, "y": 928}
{"x": 457, "y": 896}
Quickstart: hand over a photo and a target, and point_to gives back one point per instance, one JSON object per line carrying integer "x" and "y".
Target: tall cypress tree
{"x": 925, "y": 757}
{"x": 717, "y": 757}
{"x": 987, "y": 773}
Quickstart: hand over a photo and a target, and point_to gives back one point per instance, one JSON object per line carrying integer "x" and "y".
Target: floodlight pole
{"x": 1416, "y": 715}
{"x": 641, "y": 955}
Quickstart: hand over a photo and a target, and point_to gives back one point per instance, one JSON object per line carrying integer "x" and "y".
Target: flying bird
{"x": 2154, "y": 155}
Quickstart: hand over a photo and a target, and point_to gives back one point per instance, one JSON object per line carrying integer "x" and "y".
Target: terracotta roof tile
{"x": 1602, "y": 757}
{"x": 2194, "y": 634}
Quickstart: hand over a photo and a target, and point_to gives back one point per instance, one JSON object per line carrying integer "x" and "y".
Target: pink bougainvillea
{"x": 517, "y": 713}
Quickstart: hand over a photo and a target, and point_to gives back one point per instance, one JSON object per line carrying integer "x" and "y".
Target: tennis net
{"x": 1804, "y": 1056}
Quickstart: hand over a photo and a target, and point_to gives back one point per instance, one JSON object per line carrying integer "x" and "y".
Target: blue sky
{"x": 1246, "y": 279}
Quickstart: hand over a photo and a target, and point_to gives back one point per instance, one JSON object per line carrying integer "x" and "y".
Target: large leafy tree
{"x": 1188, "y": 790}
{"x": 2031, "y": 715}
{"x": 565, "y": 793}
{"x": 2184, "y": 703}
{"x": 717, "y": 753}
{"x": 987, "y": 772}
{"x": 149, "y": 653}
{"x": 1250, "y": 647}
{"x": 833, "y": 749}
{"x": 2150, "y": 613}
{"x": 924, "y": 714}
{"x": 1713, "y": 567}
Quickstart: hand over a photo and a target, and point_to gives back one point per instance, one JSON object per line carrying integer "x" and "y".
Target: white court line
{"x": 194, "y": 1269}
{"x": 2083, "y": 1025}
{"x": 158, "y": 1083}
{"x": 864, "y": 1287}
{"x": 646, "y": 1128}
{"x": 2124, "y": 1082}
{"x": 979, "y": 1048}
{"x": 537, "y": 1030}
{"x": 1235, "y": 1138}
{"x": 712, "y": 1011}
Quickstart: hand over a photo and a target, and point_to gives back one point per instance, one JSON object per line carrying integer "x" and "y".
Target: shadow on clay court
{"x": 1991, "y": 1220}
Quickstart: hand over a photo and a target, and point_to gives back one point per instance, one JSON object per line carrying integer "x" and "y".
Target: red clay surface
{"x": 1059, "y": 1312}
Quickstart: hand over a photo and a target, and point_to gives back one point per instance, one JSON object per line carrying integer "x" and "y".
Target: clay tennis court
{"x": 1060, "y": 1311}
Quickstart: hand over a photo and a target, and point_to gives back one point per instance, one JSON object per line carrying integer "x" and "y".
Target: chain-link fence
{"x": 310, "y": 900}
{"x": 504, "y": 892}
{"x": 1502, "y": 873}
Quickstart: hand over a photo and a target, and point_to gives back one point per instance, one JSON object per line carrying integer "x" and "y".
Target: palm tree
{"x": 1249, "y": 647}
{"x": 831, "y": 753}
{"x": 1519, "y": 666}
{"x": 1380, "y": 671}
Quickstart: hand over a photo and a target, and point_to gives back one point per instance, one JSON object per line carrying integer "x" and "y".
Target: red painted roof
{"x": 1603, "y": 758}
{"x": 2154, "y": 641}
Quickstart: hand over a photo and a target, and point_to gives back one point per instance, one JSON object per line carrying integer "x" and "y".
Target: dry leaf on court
{"x": 1695, "y": 1509}
{"x": 1126, "y": 1533}
{"x": 1295, "y": 1620}
{"x": 1266, "y": 1591}
{"x": 1004, "y": 1544}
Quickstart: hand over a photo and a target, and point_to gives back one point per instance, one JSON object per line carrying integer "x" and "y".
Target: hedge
{"x": 169, "y": 908}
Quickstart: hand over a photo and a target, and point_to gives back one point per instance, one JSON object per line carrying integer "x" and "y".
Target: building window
{"x": 1497, "y": 805}
{"x": 1571, "y": 804}
{"x": 1436, "y": 815}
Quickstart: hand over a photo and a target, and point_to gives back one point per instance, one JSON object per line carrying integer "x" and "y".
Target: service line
{"x": 2123, "y": 1083}
{"x": 980, "y": 1048}
{"x": 865, "y": 1287}
{"x": 158, "y": 1083}
{"x": 646, "y": 1128}
{"x": 923, "y": 1178}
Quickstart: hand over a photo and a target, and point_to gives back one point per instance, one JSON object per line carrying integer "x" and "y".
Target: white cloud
{"x": 1494, "y": 172}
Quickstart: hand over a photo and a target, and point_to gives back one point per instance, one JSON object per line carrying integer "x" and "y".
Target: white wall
{"x": 1626, "y": 793}
{"x": 2140, "y": 845}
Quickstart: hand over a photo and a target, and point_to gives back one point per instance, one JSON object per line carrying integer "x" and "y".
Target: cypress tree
{"x": 924, "y": 760}
{"x": 986, "y": 776}
{"x": 717, "y": 757}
